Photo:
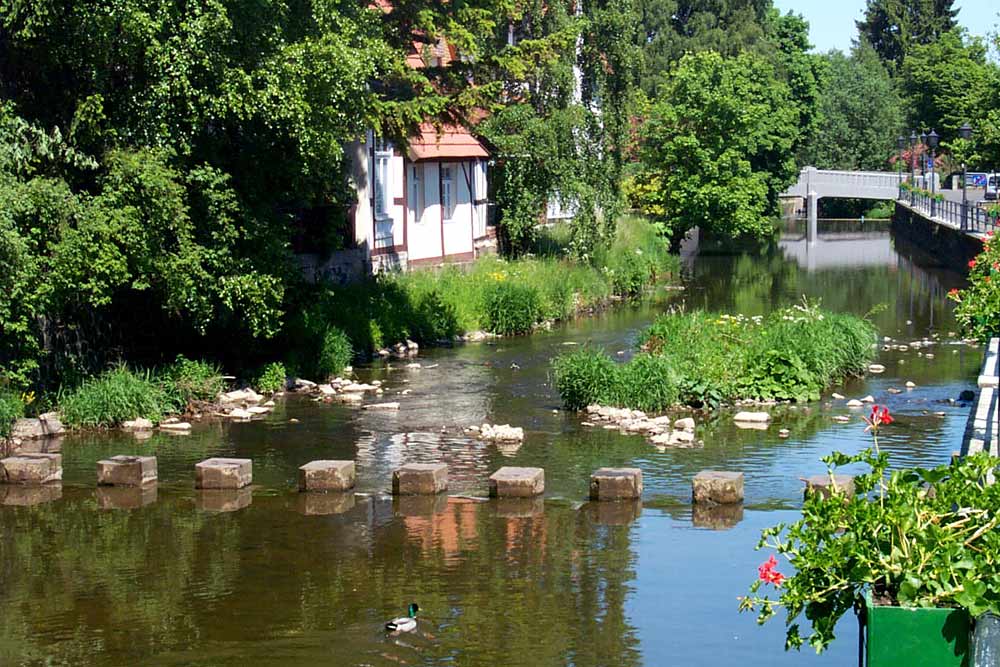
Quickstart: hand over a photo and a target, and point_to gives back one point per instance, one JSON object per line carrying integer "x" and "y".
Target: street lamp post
{"x": 965, "y": 132}
{"x": 900, "y": 145}
{"x": 932, "y": 143}
{"x": 913, "y": 163}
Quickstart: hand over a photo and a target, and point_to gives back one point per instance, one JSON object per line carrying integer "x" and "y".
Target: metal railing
{"x": 967, "y": 217}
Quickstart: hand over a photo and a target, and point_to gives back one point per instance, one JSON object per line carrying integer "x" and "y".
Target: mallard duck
{"x": 404, "y": 623}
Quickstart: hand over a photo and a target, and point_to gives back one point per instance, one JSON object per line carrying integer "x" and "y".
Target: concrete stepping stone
{"x": 616, "y": 484}
{"x": 716, "y": 486}
{"x": 31, "y": 468}
{"x": 517, "y": 482}
{"x": 327, "y": 476}
{"x": 124, "y": 470}
{"x": 223, "y": 473}
{"x": 420, "y": 479}
{"x": 821, "y": 484}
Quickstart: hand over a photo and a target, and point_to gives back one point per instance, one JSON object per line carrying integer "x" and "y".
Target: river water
{"x": 110, "y": 577}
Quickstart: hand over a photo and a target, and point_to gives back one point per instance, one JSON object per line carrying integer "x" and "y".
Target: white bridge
{"x": 815, "y": 184}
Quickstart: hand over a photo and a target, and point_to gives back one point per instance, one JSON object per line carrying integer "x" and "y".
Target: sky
{"x": 831, "y": 22}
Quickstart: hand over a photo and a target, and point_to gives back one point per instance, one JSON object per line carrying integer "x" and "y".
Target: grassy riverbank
{"x": 333, "y": 325}
{"x": 704, "y": 358}
{"x": 506, "y": 297}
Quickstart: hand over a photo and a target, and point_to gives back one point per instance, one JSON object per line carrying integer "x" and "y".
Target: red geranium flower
{"x": 768, "y": 574}
{"x": 953, "y": 291}
{"x": 972, "y": 263}
{"x": 878, "y": 418}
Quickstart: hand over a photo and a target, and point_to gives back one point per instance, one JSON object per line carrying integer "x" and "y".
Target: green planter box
{"x": 916, "y": 637}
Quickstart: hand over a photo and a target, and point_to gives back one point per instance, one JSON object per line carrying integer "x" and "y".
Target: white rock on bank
{"x": 836, "y": 396}
{"x": 685, "y": 424}
{"x": 876, "y": 368}
{"x": 140, "y": 424}
{"x": 854, "y": 403}
{"x": 239, "y": 413}
{"x": 176, "y": 426}
{"x": 868, "y": 399}
{"x": 381, "y": 406}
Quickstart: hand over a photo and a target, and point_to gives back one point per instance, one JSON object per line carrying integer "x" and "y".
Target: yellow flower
{"x": 28, "y": 397}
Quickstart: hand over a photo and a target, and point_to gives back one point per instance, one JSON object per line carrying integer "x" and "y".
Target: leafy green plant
{"x": 334, "y": 354}
{"x": 190, "y": 381}
{"x": 271, "y": 378}
{"x": 11, "y": 409}
{"x": 510, "y": 309}
{"x": 585, "y": 377}
{"x": 702, "y": 359}
{"x": 916, "y": 538}
{"x": 116, "y": 396}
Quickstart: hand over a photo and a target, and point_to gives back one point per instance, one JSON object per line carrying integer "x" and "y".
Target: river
{"x": 112, "y": 577}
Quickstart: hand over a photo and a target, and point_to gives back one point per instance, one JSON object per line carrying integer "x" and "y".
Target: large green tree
{"x": 861, "y": 113}
{"x": 671, "y": 28}
{"x": 718, "y": 145}
{"x": 893, "y": 27}
{"x": 948, "y": 82}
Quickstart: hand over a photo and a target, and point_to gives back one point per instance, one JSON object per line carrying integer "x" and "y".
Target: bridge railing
{"x": 967, "y": 217}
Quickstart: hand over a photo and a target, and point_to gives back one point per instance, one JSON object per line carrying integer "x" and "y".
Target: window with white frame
{"x": 415, "y": 196}
{"x": 447, "y": 192}
{"x": 383, "y": 179}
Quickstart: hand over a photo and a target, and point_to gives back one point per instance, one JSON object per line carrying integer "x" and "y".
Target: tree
{"x": 948, "y": 82}
{"x": 893, "y": 27}
{"x": 861, "y": 113}
{"x": 718, "y": 145}
{"x": 671, "y": 28}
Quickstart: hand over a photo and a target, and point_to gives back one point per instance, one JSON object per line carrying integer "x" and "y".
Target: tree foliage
{"x": 894, "y": 27}
{"x": 719, "y": 145}
{"x": 861, "y": 113}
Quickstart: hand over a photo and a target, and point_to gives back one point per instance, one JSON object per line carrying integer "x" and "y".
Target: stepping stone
{"x": 616, "y": 484}
{"x": 31, "y": 469}
{"x": 420, "y": 479}
{"x": 515, "y": 482}
{"x": 126, "y": 471}
{"x": 821, "y": 484}
{"x": 715, "y": 486}
{"x": 327, "y": 476}
{"x": 223, "y": 473}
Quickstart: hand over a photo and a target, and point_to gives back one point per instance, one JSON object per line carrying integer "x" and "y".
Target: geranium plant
{"x": 978, "y": 309}
{"x": 915, "y": 538}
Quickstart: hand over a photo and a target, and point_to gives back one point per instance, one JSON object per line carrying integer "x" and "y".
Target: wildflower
{"x": 768, "y": 574}
{"x": 953, "y": 291}
{"x": 972, "y": 263}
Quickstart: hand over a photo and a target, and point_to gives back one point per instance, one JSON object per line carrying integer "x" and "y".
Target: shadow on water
{"x": 267, "y": 576}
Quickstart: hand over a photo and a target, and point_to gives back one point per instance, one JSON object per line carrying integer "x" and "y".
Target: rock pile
{"x": 662, "y": 431}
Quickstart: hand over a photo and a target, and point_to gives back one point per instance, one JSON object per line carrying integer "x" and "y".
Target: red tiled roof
{"x": 450, "y": 142}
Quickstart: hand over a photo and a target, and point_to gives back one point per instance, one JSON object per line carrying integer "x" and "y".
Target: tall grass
{"x": 11, "y": 408}
{"x": 116, "y": 396}
{"x": 702, "y": 358}
{"x": 492, "y": 294}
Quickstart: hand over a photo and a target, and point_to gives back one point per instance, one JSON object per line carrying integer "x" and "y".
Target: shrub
{"x": 435, "y": 318}
{"x": 510, "y": 309}
{"x": 978, "y": 309}
{"x": 189, "y": 381}
{"x": 271, "y": 378}
{"x": 116, "y": 396}
{"x": 585, "y": 377}
{"x": 335, "y": 353}
{"x": 11, "y": 409}
{"x": 701, "y": 359}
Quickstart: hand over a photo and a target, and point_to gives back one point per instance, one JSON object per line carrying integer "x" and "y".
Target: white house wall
{"x": 424, "y": 237}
